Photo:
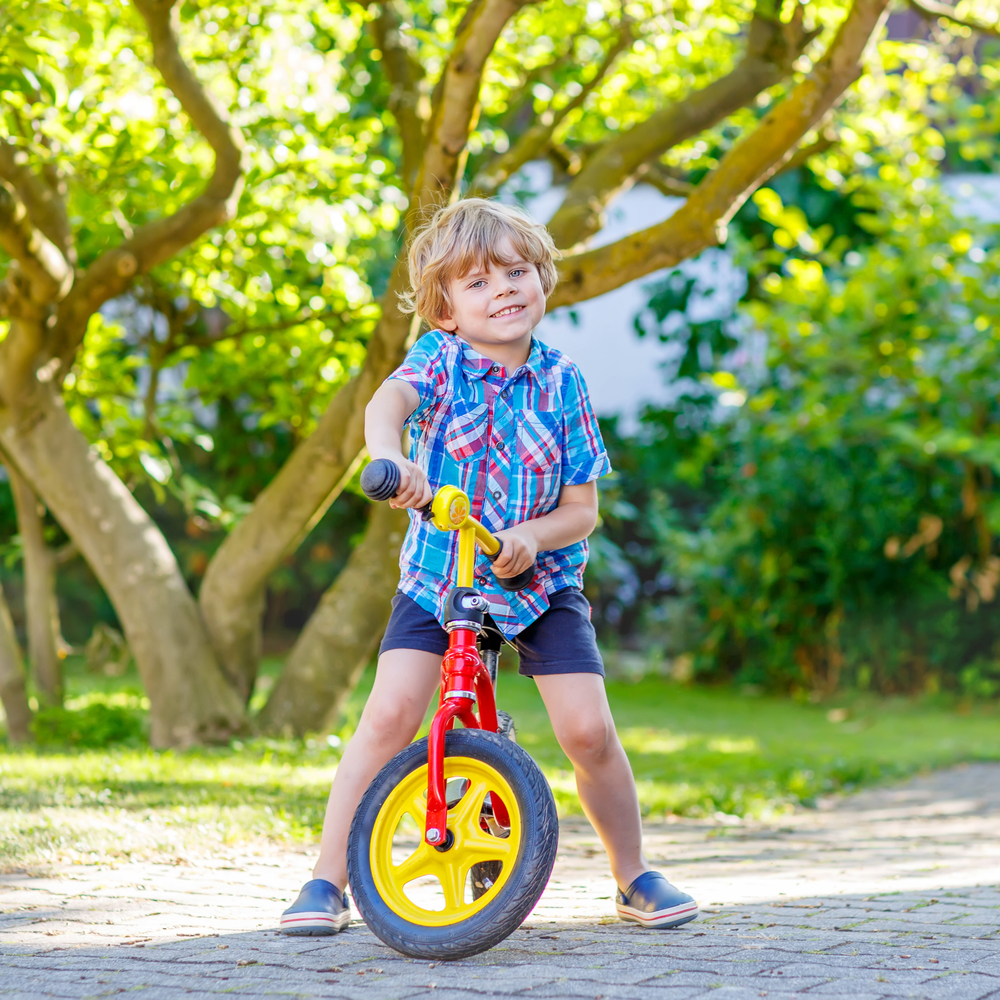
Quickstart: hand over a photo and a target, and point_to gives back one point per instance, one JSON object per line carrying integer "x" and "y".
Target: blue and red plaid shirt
{"x": 511, "y": 441}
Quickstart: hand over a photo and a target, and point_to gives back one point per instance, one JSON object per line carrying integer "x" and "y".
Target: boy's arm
{"x": 572, "y": 521}
{"x": 385, "y": 416}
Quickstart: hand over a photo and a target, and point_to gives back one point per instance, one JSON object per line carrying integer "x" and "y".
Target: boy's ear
{"x": 445, "y": 322}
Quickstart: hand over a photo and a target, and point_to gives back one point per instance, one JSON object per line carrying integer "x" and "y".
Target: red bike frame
{"x": 464, "y": 677}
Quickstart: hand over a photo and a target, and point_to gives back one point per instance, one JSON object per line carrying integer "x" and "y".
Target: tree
{"x": 762, "y": 83}
{"x": 40, "y": 604}
{"x": 829, "y": 517}
{"x": 49, "y": 303}
{"x": 13, "y": 695}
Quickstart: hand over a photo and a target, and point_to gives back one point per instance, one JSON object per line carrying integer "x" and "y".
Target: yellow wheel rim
{"x": 422, "y": 903}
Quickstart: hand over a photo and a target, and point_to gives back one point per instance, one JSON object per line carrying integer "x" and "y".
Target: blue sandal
{"x": 653, "y": 902}
{"x": 320, "y": 909}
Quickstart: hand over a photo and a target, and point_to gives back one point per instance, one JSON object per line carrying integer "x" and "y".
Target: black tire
{"x": 520, "y": 891}
{"x": 506, "y": 726}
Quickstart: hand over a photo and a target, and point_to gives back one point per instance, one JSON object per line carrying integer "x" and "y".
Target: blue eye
{"x": 477, "y": 284}
{"x": 517, "y": 272}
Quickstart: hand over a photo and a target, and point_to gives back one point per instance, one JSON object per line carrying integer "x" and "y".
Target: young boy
{"x": 507, "y": 419}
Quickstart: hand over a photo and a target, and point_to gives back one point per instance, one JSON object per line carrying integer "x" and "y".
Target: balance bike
{"x": 481, "y": 807}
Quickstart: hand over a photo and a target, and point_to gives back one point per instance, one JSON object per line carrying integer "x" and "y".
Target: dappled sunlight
{"x": 96, "y": 806}
{"x": 714, "y": 755}
{"x": 649, "y": 740}
{"x": 115, "y": 699}
{"x": 724, "y": 744}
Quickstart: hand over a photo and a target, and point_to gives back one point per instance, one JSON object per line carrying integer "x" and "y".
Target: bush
{"x": 830, "y": 517}
{"x": 97, "y": 725}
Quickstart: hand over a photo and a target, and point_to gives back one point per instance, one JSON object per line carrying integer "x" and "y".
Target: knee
{"x": 587, "y": 739}
{"x": 394, "y": 722}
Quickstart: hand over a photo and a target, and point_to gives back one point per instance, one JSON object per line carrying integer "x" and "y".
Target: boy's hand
{"x": 414, "y": 490}
{"x": 519, "y": 550}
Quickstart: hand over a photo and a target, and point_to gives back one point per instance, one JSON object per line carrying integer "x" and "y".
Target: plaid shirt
{"x": 511, "y": 441}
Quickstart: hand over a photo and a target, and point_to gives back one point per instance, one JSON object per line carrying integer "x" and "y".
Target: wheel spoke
{"x": 471, "y": 840}
{"x": 479, "y": 846}
{"x": 466, "y": 813}
{"x": 423, "y": 861}
{"x": 417, "y": 808}
{"x": 450, "y": 873}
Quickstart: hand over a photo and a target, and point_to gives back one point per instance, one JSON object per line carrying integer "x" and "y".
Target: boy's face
{"x": 495, "y": 308}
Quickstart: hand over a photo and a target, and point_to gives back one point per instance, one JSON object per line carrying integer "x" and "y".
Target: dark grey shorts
{"x": 561, "y": 641}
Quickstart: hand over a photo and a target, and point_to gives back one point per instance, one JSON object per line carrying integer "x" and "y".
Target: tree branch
{"x": 520, "y": 106}
{"x": 9, "y": 299}
{"x": 656, "y": 176}
{"x": 534, "y": 141}
{"x": 41, "y": 262}
{"x": 701, "y": 221}
{"x": 931, "y": 9}
{"x": 803, "y": 154}
{"x": 457, "y": 105}
{"x": 41, "y": 197}
{"x": 404, "y": 74}
{"x": 231, "y": 595}
{"x": 232, "y": 331}
{"x": 772, "y": 48}
{"x": 112, "y": 272}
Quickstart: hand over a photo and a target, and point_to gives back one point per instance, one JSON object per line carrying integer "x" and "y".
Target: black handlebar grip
{"x": 518, "y": 582}
{"x": 380, "y": 479}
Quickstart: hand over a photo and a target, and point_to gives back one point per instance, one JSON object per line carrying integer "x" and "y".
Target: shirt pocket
{"x": 468, "y": 428}
{"x": 538, "y": 439}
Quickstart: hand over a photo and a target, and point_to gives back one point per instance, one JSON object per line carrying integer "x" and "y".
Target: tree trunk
{"x": 340, "y": 637}
{"x": 41, "y": 608}
{"x": 12, "y": 689}
{"x": 231, "y": 596}
{"x": 231, "y": 592}
{"x": 189, "y": 697}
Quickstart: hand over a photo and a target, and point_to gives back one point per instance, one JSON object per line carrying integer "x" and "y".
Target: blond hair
{"x": 465, "y": 236}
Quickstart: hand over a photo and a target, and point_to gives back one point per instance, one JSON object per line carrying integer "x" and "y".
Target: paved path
{"x": 891, "y": 893}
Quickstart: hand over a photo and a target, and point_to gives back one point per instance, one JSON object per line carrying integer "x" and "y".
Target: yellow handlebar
{"x": 451, "y": 513}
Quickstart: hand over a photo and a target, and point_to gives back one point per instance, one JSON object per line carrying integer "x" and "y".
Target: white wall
{"x": 624, "y": 371}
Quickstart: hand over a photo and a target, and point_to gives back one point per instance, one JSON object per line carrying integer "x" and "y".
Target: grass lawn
{"x": 695, "y": 752}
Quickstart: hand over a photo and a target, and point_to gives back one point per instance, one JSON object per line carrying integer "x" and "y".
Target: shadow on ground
{"x": 890, "y": 893}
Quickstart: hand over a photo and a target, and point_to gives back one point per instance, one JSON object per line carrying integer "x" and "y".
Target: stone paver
{"x": 891, "y": 893}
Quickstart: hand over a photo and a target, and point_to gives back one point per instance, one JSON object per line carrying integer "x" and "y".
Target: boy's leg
{"x": 581, "y": 718}
{"x": 404, "y": 683}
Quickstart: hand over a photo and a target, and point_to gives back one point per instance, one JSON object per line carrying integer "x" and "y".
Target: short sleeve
{"x": 422, "y": 368}
{"x": 584, "y": 455}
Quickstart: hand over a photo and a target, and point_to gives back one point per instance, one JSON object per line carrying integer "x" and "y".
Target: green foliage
{"x": 197, "y": 385}
{"x": 752, "y": 518}
{"x": 817, "y": 506}
{"x": 267, "y": 316}
{"x": 96, "y": 725}
{"x": 837, "y": 523}
{"x": 868, "y": 454}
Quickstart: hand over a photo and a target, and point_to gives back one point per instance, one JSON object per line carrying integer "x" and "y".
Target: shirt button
{"x": 496, "y": 494}
{"x": 482, "y": 581}
{"x": 495, "y": 369}
{"x": 500, "y": 446}
{"x": 505, "y": 393}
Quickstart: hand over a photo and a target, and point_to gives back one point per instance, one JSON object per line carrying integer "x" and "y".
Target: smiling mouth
{"x": 508, "y": 311}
